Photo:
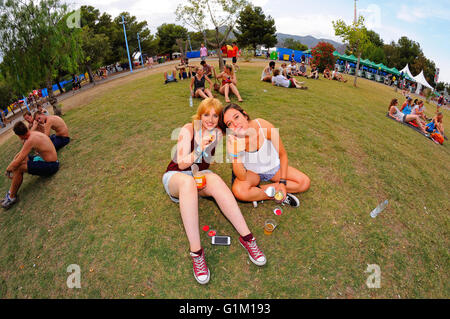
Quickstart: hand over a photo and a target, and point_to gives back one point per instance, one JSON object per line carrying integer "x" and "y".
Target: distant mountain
{"x": 310, "y": 41}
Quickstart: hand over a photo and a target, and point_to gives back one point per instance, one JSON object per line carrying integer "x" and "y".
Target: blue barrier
{"x": 297, "y": 54}
{"x": 193, "y": 54}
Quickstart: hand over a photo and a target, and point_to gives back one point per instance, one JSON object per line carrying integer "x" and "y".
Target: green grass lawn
{"x": 106, "y": 209}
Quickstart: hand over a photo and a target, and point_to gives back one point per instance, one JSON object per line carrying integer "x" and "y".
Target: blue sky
{"x": 425, "y": 22}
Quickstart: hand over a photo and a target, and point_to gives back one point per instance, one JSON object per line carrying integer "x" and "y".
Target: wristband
{"x": 282, "y": 181}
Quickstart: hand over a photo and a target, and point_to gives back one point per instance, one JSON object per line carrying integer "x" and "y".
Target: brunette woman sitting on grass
{"x": 258, "y": 155}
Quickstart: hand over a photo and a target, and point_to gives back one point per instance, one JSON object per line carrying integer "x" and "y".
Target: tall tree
{"x": 37, "y": 42}
{"x": 354, "y": 35}
{"x": 254, "y": 28}
{"x": 168, "y": 35}
{"x": 96, "y": 48}
{"x": 198, "y": 14}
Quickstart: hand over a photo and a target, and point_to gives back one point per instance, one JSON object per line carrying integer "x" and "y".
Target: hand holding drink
{"x": 200, "y": 179}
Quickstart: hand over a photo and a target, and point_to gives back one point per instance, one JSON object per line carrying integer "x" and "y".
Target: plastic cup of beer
{"x": 269, "y": 226}
{"x": 200, "y": 180}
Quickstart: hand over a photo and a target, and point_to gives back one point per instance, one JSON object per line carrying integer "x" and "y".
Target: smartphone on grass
{"x": 221, "y": 240}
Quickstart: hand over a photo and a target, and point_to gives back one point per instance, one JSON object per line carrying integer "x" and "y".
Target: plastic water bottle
{"x": 191, "y": 102}
{"x": 378, "y": 209}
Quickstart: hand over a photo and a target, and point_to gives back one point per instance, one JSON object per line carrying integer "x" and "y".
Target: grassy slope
{"x": 106, "y": 209}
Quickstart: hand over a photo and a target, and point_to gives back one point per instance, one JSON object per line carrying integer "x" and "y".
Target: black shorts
{"x": 59, "y": 141}
{"x": 234, "y": 59}
{"x": 40, "y": 167}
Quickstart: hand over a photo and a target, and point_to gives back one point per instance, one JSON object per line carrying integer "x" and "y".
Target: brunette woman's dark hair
{"x": 393, "y": 102}
{"x": 222, "y": 124}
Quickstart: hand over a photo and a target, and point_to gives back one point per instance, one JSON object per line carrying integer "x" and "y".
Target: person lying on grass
{"x": 46, "y": 164}
{"x": 314, "y": 73}
{"x": 267, "y": 73}
{"x": 327, "y": 74}
{"x": 335, "y": 75}
{"x": 436, "y": 125}
{"x": 395, "y": 113}
{"x": 170, "y": 77}
{"x": 52, "y": 122}
{"x": 30, "y": 120}
{"x": 258, "y": 155}
{"x": 196, "y": 145}
{"x": 197, "y": 85}
{"x": 229, "y": 83}
{"x": 280, "y": 80}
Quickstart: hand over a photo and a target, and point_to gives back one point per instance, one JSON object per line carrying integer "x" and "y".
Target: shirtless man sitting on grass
{"x": 52, "y": 122}
{"x": 29, "y": 118}
{"x": 45, "y": 164}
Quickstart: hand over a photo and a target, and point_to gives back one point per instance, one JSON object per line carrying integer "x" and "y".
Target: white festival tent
{"x": 407, "y": 71}
{"x": 421, "y": 80}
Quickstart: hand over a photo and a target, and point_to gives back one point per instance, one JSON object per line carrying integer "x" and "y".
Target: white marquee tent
{"x": 421, "y": 80}
{"x": 407, "y": 71}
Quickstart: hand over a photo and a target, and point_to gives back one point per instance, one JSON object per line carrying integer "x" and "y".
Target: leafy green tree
{"x": 254, "y": 28}
{"x": 36, "y": 43}
{"x": 168, "y": 35}
{"x": 290, "y": 43}
{"x": 354, "y": 35}
{"x": 96, "y": 48}
{"x": 198, "y": 14}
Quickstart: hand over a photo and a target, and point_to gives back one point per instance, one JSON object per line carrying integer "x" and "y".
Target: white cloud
{"x": 420, "y": 13}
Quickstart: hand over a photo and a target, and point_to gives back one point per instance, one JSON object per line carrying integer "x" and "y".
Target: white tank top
{"x": 263, "y": 160}
{"x": 398, "y": 115}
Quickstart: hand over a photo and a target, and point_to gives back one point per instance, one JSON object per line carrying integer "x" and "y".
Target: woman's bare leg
{"x": 184, "y": 187}
{"x": 200, "y": 93}
{"x": 217, "y": 188}
{"x": 208, "y": 93}
{"x": 236, "y": 92}
{"x": 296, "y": 181}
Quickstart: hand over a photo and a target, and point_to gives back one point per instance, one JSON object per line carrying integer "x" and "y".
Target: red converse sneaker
{"x": 254, "y": 253}
{"x": 201, "y": 271}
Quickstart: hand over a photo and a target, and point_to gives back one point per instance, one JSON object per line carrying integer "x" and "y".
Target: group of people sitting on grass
{"x": 38, "y": 154}
{"x": 257, "y": 154}
{"x": 284, "y": 76}
{"x": 414, "y": 112}
{"x": 200, "y": 75}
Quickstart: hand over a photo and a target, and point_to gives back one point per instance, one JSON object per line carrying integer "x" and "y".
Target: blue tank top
{"x": 407, "y": 109}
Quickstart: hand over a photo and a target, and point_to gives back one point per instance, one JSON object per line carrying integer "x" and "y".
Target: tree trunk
{"x": 357, "y": 69}
{"x": 61, "y": 90}
{"x": 52, "y": 99}
{"x": 91, "y": 77}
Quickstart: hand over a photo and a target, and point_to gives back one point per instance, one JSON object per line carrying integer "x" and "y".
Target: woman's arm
{"x": 185, "y": 157}
{"x": 274, "y": 136}
{"x": 209, "y": 81}
{"x": 191, "y": 86}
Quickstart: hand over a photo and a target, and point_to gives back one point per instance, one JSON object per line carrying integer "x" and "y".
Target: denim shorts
{"x": 262, "y": 177}
{"x": 166, "y": 179}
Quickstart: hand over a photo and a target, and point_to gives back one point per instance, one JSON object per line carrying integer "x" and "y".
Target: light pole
{"x": 126, "y": 42}
{"x": 139, "y": 42}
